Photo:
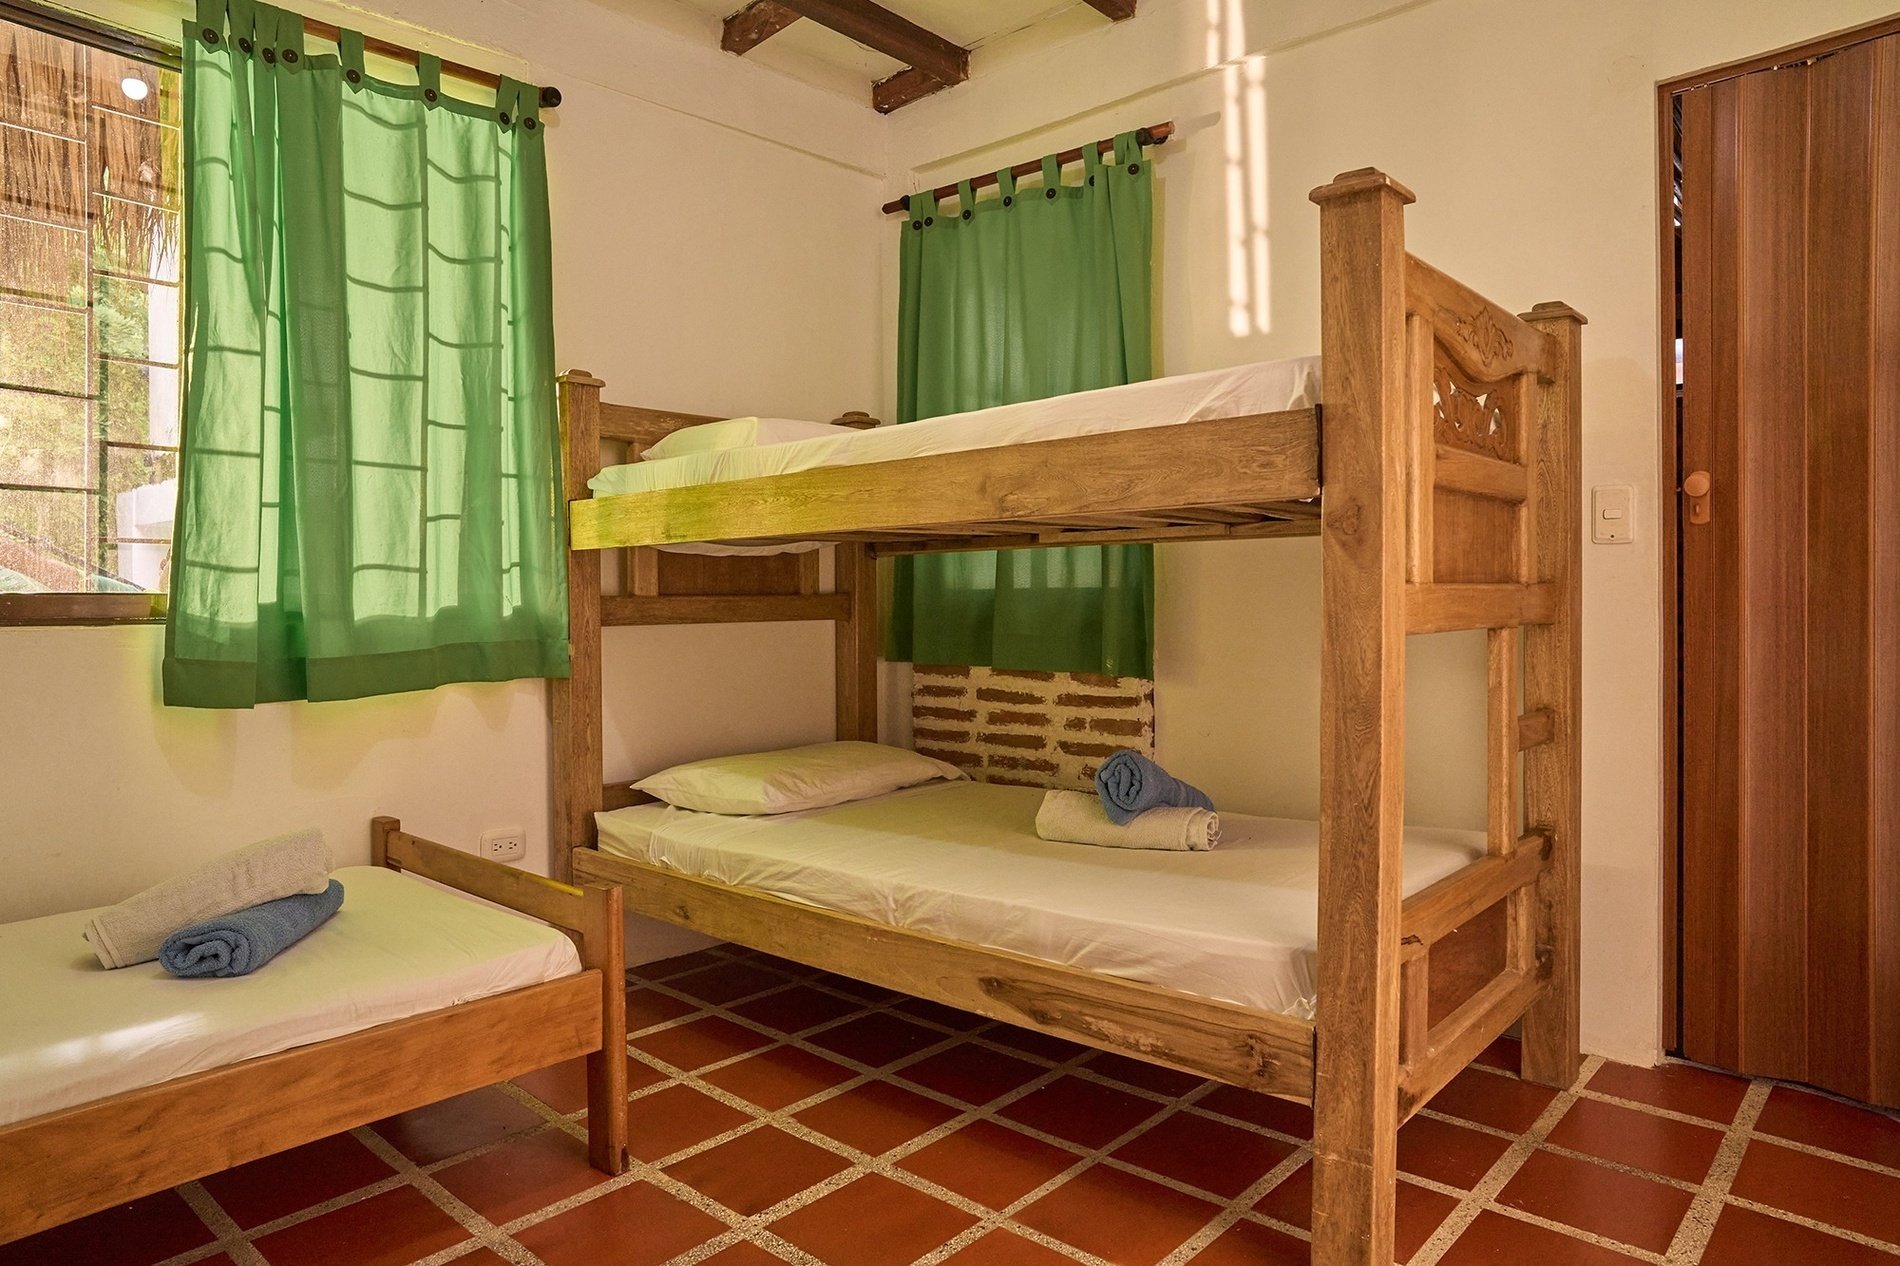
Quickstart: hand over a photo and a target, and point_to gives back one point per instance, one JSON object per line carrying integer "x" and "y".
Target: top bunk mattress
{"x": 75, "y": 1032}
{"x": 963, "y": 861}
{"x": 1267, "y": 387}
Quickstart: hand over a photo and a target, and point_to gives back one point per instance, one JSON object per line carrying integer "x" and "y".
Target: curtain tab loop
{"x": 1092, "y": 160}
{"x": 211, "y": 21}
{"x": 1006, "y": 185}
{"x": 1127, "y": 149}
{"x": 518, "y": 104}
{"x": 1051, "y": 177}
{"x": 429, "y": 75}
{"x": 923, "y": 209}
{"x": 349, "y": 48}
{"x": 966, "y": 199}
{"x": 288, "y": 40}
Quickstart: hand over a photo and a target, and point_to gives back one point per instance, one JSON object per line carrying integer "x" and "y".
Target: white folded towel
{"x": 132, "y": 931}
{"x": 1077, "y": 817}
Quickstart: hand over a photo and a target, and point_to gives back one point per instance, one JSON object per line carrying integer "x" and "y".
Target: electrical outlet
{"x": 506, "y": 844}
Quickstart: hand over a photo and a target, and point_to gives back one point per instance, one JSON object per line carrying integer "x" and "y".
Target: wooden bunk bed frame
{"x": 79, "y": 1160}
{"x": 1449, "y": 463}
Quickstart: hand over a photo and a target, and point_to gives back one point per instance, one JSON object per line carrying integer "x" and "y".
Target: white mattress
{"x": 963, "y": 861}
{"x": 74, "y": 1032}
{"x": 1267, "y": 387}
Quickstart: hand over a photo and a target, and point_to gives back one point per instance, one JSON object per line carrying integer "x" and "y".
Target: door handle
{"x": 1696, "y": 488}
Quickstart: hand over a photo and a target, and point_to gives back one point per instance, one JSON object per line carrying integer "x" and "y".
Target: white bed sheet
{"x": 74, "y": 1032}
{"x": 963, "y": 861}
{"x": 1265, "y": 387}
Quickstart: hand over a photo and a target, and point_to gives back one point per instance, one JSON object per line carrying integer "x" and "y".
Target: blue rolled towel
{"x": 1129, "y": 783}
{"x": 239, "y": 943}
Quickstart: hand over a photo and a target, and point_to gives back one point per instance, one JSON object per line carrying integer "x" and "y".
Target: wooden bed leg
{"x": 1553, "y": 680}
{"x": 857, "y": 643}
{"x": 380, "y": 829}
{"x": 574, "y": 719}
{"x": 1362, "y": 698}
{"x": 603, "y": 947}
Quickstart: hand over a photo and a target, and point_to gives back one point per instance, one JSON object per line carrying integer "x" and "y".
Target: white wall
{"x": 1528, "y": 132}
{"x": 708, "y": 257}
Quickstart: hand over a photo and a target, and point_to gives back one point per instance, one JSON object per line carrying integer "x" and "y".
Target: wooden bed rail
{"x": 592, "y": 915}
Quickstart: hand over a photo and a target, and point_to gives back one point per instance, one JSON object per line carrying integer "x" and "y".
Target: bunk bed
{"x": 1441, "y": 475}
{"x": 114, "y": 1085}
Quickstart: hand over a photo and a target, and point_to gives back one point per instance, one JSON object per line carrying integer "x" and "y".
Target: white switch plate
{"x": 1611, "y": 509}
{"x": 506, "y": 844}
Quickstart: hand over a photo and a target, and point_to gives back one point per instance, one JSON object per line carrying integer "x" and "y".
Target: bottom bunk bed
{"x": 1207, "y": 962}
{"x": 116, "y": 1084}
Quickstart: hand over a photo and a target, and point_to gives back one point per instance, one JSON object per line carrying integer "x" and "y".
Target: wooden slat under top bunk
{"x": 1249, "y": 476}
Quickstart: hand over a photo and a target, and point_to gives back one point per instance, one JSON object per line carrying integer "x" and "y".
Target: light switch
{"x": 1610, "y": 521}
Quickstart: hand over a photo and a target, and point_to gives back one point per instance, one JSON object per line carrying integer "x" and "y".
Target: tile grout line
{"x": 1502, "y": 1170}
{"x": 1698, "y": 1224}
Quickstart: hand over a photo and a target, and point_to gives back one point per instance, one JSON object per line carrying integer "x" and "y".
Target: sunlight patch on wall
{"x": 1244, "y": 116}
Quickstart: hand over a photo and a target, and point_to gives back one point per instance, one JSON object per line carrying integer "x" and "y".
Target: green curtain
{"x": 370, "y": 479}
{"x": 1035, "y": 292}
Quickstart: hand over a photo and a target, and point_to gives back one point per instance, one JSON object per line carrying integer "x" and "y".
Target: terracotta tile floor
{"x": 781, "y": 1115}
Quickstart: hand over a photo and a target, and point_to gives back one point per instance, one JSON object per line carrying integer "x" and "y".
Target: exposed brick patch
{"x": 1049, "y": 730}
{"x": 1000, "y": 738}
{"x": 1075, "y": 699}
{"x": 1030, "y": 764}
{"x": 943, "y": 714}
{"x": 950, "y": 756}
{"x": 1006, "y": 717}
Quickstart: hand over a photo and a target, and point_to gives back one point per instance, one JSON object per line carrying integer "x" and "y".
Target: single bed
{"x": 114, "y": 1084}
{"x": 962, "y": 861}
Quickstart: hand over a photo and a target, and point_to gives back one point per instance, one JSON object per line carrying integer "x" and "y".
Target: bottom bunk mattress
{"x": 75, "y": 1032}
{"x": 962, "y": 861}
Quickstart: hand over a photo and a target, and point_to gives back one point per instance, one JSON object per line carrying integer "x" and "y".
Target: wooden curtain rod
{"x": 550, "y": 97}
{"x": 1153, "y": 134}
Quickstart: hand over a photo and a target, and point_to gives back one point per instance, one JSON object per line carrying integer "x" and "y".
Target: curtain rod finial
{"x": 550, "y": 98}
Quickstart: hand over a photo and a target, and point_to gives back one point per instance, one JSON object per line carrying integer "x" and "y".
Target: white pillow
{"x": 793, "y": 779}
{"x": 710, "y": 437}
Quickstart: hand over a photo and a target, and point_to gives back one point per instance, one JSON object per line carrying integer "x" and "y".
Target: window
{"x": 91, "y": 319}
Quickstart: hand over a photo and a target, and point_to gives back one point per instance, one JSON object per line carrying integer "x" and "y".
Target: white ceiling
{"x": 809, "y": 51}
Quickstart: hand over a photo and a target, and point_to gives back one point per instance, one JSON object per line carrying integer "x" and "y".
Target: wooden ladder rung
{"x": 1447, "y": 905}
{"x": 1456, "y": 470}
{"x": 1536, "y": 728}
{"x": 724, "y": 608}
{"x": 1445, "y": 608}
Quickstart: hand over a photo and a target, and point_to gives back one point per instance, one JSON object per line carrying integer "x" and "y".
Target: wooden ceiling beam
{"x": 876, "y": 27}
{"x": 901, "y": 89}
{"x": 755, "y": 24}
{"x": 1114, "y": 10}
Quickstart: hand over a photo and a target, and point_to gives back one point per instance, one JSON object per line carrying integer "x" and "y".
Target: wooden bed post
{"x": 574, "y": 702}
{"x": 857, "y": 644}
{"x": 1362, "y": 700}
{"x": 1553, "y": 680}
{"x": 603, "y": 947}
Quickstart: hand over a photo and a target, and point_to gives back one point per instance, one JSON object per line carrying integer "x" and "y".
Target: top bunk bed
{"x": 1445, "y": 380}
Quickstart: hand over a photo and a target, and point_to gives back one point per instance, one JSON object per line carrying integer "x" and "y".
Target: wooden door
{"x": 1790, "y": 583}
